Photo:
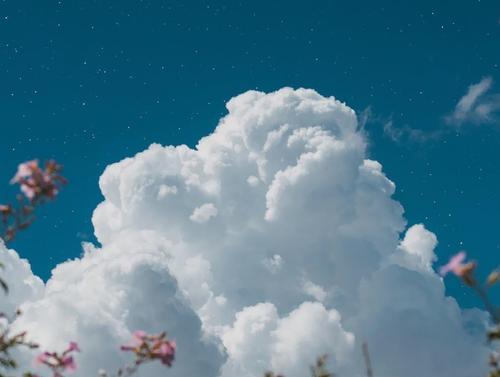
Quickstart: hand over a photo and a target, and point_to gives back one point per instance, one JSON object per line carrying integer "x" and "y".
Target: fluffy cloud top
{"x": 274, "y": 241}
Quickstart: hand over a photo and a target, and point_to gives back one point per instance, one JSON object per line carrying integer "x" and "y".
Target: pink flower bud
{"x": 42, "y": 358}
{"x": 140, "y": 335}
{"x": 73, "y": 346}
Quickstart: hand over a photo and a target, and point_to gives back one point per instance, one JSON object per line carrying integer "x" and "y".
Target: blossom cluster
{"x": 146, "y": 347}
{"x": 59, "y": 363}
{"x": 37, "y": 185}
{"x": 151, "y": 347}
{"x": 457, "y": 266}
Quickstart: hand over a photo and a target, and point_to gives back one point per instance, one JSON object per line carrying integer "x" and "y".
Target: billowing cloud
{"x": 478, "y": 105}
{"x": 272, "y": 242}
{"x": 102, "y": 297}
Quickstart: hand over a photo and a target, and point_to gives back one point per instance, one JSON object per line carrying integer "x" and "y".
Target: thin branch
{"x": 366, "y": 356}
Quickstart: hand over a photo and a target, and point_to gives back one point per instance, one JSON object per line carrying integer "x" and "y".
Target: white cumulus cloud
{"x": 280, "y": 242}
{"x": 203, "y": 213}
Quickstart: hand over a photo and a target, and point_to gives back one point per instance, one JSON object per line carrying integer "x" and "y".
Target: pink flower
{"x": 73, "y": 346}
{"x": 68, "y": 363}
{"x": 166, "y": 352}
{"x": 28, "y": 189}
{"x": 137, "y": 340}
{"x": 151, "y": 347}
{"x": 24, "y": 170}
{"x": 42, "y": 358}
{"x": 454, "y": 264}
{"x": 59, "y": 362}
{"x": 37, "y": 183}
{"x": 139, "y": 335}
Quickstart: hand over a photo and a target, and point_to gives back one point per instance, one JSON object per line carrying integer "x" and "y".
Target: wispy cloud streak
{"x": 477, "y": 106}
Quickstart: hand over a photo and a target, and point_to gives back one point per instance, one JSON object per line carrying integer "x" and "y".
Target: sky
{"x": 92, "y": 82}
{"x": 264, "y": 181}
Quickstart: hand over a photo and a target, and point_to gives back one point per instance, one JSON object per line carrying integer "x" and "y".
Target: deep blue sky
{"x": 91, "y": 82}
